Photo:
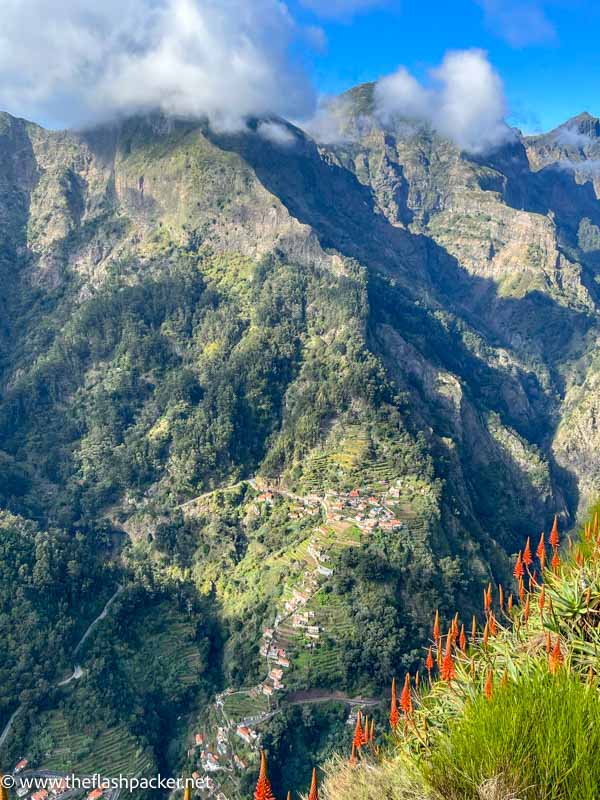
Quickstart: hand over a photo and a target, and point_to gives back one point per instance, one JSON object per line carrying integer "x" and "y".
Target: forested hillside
{"x": 222, "y": 354}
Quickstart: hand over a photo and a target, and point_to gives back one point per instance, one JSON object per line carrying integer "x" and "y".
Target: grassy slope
{"x": 534, "y": 734}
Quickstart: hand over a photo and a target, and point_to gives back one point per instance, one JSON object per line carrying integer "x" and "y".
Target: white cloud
{"x": 341, "y": 8}
{"x": 326, "y": 125}
{"x": 518, "y": 22}
{"x": 276, "y": 133}
{"x": 589, "y": 167}
{"x": 464, "y": 101}
{"x": 572, "y": 137}
{"x": 75, "y": 61}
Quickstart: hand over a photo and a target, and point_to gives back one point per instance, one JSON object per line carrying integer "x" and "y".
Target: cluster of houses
{"x": 217, "y": 759}
{"x": 320, "y": 557}
{"x": 301, "y": 619}
{"x": 57, "y": 786}
{"x": 366, "y": 511}
{"x": 249, "y": 736}
{"x": 211, "y": 762}
{"x": 278, "y": 661}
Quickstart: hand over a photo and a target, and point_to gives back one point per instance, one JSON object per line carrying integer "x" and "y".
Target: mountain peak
{"x": 584, "y": 124}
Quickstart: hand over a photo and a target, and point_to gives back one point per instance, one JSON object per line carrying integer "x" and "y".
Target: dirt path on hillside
{"x": 326, "y": 696}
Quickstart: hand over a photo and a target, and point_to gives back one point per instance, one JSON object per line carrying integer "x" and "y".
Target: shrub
{"x": 537, "y": 739}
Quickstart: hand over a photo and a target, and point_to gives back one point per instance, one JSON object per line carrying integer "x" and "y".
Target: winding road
{"x": 98, "y": 619}
{"x": 77, "y": 670}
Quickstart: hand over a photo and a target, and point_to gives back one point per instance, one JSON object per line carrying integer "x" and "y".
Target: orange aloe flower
{"x": 365, "y": 733}
{"x": 448, "y": 672}
{"x": 493, "y": 625}
{"x": 474, "y": 630}
{"x": 462, "y": 641}
{"x": 358, "y": 734}
{"x": 555, "y": 660}
{"x": 436, "y": 627}
{"x": 353, "y": 755}
{"x": 394, "y": 716}
{"x": 489, "y": 684}
{"x": 510, "y": 604}
{"x": 454, "y": 628}
{"x": 554, "y": 540}
{"x": 406, "y": 703}
{"x": 314, "y": 791}
{"x": 543, "y": 599}
{"x": 519, "y": 570}
{"x": 429, "y": 663}
{"x": 541, "y": 551}
{"x": 263, "y": 789}
{"x": 555, "y": 561}
{"x": 487, "y": 598}
{"x": 527, "y": 557}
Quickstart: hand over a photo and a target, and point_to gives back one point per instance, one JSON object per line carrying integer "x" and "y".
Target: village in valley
{"x": 301, "y": 636}
{"x": 232, "y": 740}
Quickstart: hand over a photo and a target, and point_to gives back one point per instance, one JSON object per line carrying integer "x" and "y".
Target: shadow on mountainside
{"x": 414, "y": 283}
{"x": 551, "y": 189}
{"x": 423, "y": 279}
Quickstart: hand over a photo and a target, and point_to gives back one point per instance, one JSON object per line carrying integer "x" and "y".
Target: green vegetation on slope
{"x": 50, "y": 583}
{"x": 538, "y": 737}
{"x": 183, "y": 311}
{"x": 517, "y": 715}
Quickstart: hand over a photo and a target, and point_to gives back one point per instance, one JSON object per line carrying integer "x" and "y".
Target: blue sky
{"x": 547, "y": 53}
{"x": 85, "y": 61}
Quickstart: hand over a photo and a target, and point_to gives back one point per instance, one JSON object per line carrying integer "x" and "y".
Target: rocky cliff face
{"x": 480, "y": 274}
{"x": 182, "y": 309}
{"x": 514, "y": 256}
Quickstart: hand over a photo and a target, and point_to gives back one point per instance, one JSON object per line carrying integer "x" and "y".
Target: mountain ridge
{"x": 187, "y": 309}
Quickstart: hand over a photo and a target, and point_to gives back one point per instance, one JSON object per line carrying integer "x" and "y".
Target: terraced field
{"x": 169, "y": 648}
{"x": 110, "y": 752}
{"x": 331, "y": 466}
{"x": 243, "y": 705}
{"x": 351, "y": 458}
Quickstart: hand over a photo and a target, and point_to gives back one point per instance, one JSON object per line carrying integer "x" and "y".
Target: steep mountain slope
{"x": 185, "y": 310}
{"x": 509, "y": 709}
{"x": 515, "y": 260}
